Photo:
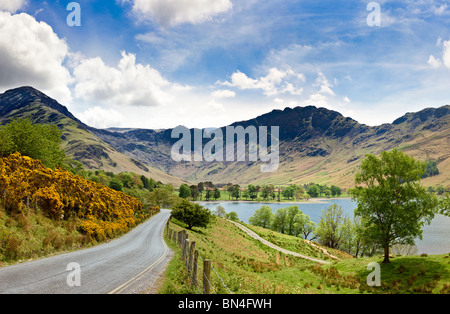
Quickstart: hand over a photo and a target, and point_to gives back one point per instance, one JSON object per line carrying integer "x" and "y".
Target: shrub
{"x": 101, "y": 212}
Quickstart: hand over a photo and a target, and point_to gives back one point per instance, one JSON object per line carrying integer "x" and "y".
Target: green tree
{"x": 335, "y": 190}
{"x": 262, "y": 217}
{"x": 232, "y": 216}
{"x": 116, "y": 184}
{"x": 440, "y": 190}
{"x": 430, "y": 169}
{"x": 185, "y": 191}
{"x": 313, "y": 190}
{"x": 252, "y": 191}
{"x": 304, "y": 225}
{"x": 332, "y": 227}
{"x": 236, "y": 192}
{"x": 288, "y": 192}
{"x": 220, "y": 211}
{"x": 163, "y": 196}
{"x": 444, "y": 205}
{"x": 33, "y": 140}
{"x": 280, "y": 220}
{"x": 292, "y": 212}
{"x": 391, "y": 202}
{"x": 194, "y": 192}
{"x": 191, "y": 214}
{"x": 216, "y": 193}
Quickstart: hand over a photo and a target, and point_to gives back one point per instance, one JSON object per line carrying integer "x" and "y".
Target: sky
{"x": 208, "y": 63}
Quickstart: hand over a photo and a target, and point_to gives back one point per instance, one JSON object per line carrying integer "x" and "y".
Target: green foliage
{"x": 232, "y": 216}
{"x": 163, "y": 196}
{"x": 185, "y": 191}
{"x": 430, "y": 170}
{"x": 220, "y": 211}
{"x": 392, "y": 204}
{"x": 335, "y": 190}
{"x": 191, "y": 214}
{"x": 313, "y": 190}
{"x": 288, "y": 192}
{"x": 37, "y": 141}
{"x": 289, "y": 220}
{"x": 334, "y": 227}
{"x": 116, "y": 184}
{"x": 444, "y": 205}
{"x": 262, "y": 217}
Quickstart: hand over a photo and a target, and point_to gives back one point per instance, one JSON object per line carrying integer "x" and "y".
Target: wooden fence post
{"x": 207, "y": 277}
{"x": 194, "y": 270}
{"x": 191, "y": 256}
{"x": 180, "y": 234}
{"x": 186, "y": 252}
{"x": 184, "y": 244}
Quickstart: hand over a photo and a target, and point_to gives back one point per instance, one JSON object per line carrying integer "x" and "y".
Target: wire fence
{"x": 191, "y": 256}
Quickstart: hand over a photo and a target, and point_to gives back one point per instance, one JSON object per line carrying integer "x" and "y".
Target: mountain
{"x": 316, "y": 144}
{"x": 79, "y": 141}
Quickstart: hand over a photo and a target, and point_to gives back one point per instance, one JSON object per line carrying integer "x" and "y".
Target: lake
{"x": 436, "y": 236}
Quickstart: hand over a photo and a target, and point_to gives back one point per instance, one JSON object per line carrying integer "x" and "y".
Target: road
{"x": 130, "y": 264}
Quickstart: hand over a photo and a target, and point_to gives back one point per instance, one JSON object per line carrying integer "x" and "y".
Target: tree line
{"x": 268, "y": 192}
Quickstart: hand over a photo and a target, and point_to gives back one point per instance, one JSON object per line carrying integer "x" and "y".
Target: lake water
{"x": 436, "y": 236}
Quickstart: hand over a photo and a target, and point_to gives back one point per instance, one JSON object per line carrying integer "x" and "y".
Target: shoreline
{"x": 319, "y": 200}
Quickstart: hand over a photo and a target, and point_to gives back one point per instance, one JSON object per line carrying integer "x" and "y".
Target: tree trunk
{"x": 386, "y": 255}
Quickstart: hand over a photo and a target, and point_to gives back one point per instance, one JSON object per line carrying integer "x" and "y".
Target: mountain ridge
{"x": 78, "y": 139}
{"x": 316, "y": 144}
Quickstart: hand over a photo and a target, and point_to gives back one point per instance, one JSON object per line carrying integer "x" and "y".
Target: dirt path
{"x": 270, "y": 244}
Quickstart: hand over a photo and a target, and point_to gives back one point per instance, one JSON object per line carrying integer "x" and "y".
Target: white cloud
{"x": 274, "y": 83}
{"x": 175, "y": 12}
{"x": 32, "y": 54}
{"x": 129, "y": 83}
{"x": 441, "y": 9}
{"x": 434, "y": 63}
{"x": 325, "y": 86}
{"x": 11, "y": 5}
{"x": 446, "y": 53}
{"x": 223, "y": 93}
{"x": 101, "y": 118}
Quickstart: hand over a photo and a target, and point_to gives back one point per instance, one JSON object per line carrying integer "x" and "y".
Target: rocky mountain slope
{"x": 79, "y": 141}
{"x": 316, "y": 144}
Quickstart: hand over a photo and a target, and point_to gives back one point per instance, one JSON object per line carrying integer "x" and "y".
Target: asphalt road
{"x": 130, "y": 264}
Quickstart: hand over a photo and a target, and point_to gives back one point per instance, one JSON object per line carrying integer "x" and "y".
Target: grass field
{"x": 246, "y": 266}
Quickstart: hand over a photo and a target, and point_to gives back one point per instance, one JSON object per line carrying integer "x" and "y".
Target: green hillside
{"x": 247, "y": 266}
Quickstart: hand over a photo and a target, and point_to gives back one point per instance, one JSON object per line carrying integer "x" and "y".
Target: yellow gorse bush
{"x": 100, "y": 211}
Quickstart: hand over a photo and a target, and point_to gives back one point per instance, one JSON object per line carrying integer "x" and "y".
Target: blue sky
{"x": 204, "y": 63}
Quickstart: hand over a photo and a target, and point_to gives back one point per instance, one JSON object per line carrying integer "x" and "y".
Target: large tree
{"x": 390, "y": 200}
{"x": 192, "y": 214}
{"x": 262, "y": 217}
{"x": 185, "y": 191}
{"x": 333, "y": 228}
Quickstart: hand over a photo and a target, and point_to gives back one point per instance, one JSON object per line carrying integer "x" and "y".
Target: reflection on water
{"x": 436, "y": 236}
